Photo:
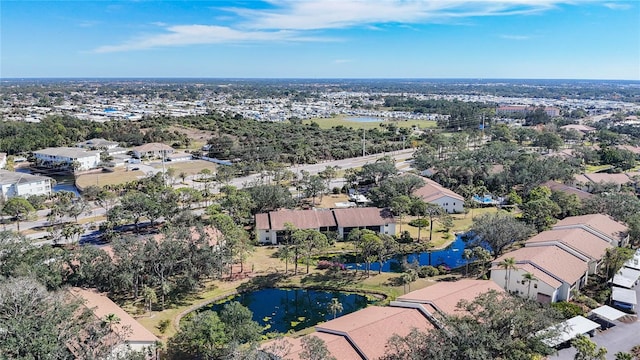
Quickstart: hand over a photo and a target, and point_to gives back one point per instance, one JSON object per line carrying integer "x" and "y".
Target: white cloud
{"x": 342, "y": 61}
{"x": 515, "y": 37}
{"x": 617, "y": 6}
{"x": 181, "y": 35}
{"x": 291, "y": 20}
{"x": 335, "y": 14}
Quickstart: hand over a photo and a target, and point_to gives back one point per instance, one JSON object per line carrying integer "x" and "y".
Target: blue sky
{"x": 577, "y": 39}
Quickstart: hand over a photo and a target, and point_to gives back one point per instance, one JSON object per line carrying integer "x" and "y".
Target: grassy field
{"x": 596, "y": 168}
{"x": 264, "y": 269}
{"x": 119, "y": 176}
{"x": 191, "y": 167}
{"x": 327, "y": 123}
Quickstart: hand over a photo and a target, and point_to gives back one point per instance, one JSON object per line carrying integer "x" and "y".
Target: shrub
{"x": 428, "y": 271}
{"x": 567, "y": 309}
{"x": 331, "y": 265}
{"x": 336, "y": 190}
{"x": 163, "y": 325}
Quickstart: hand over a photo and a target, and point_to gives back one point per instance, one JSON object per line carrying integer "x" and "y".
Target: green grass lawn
{"x": 327, "y": 123}
{"x": 596, "y": 168}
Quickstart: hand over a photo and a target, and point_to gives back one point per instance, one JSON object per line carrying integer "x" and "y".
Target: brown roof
{"x": 552, "y": 259}
{"x": 153, "y": 147}
{"x": 337, "y": 345}
{"x": 368, "y": 216}
{"x": 444, "y": 296}
{"x": 577, "y": 239}
{"x": 619, "y": 179}
{"x": 301, "y": 219}
{"x": 603, "y": 224}
{"x": 432, "y": 191}
{"x": 369, "y": 329}
{"x": 560, "y": 187}
{"x": 102, "y": 306}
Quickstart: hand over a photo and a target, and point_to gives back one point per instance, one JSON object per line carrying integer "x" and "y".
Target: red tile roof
{"x": 432, "y": 191}
{"x": 337, "y": 345}
{"x": 369, "y": 329}
{"x": 446, "y": 295}
{"x": 369, "y": 216}
{"x": 603, "y": 224}
{"x": 551, "y": 259}
{"x": 102, "y": 306}
{"x": 556, "y": 186}
{"x": 577, "y": 239}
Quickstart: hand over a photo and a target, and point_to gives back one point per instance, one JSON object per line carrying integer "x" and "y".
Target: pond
{"x": 63, "y": 182}
{"x": 363, "y": 119}
{"x": 281, "y": 310}
{"x": 451, "y": 256}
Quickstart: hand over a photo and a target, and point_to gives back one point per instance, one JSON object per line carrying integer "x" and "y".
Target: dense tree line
{"x": 461, "y": 114}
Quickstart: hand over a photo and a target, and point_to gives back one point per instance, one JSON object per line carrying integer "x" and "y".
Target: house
{"x": 136, "y": 336}
{"x": 178, "y": 156}
{"x": 369, "y": 329}
{"x": 443, "y": 297}
{"x": 97, "y": 144}
{"x": 66, "y": 157}
{"x": 434, "y": 193}
{"x": 569, "y": 190}
{"x": 583, "y": 129}
{"x": 152, "y": 150}
{"x": 14, "y": 184}
{"x": 587, "y": 182}
{"x": 602, "y": 226}
{"x": 378, "y": 220}
{"x": 364, "y": 334}
{"x": 577, "y": 241}
{"x": 270, "y": 227}
{"x": 557, "y": 271}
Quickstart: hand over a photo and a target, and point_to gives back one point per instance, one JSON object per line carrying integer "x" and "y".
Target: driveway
{"x": 620, "y": 338}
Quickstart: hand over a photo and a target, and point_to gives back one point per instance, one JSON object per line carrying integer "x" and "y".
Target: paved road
{"x": 620, "y": 338}
{"x": 401, "y": 158}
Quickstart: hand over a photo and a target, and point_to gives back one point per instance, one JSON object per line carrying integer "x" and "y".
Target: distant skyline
{"x": 543, "y": 39}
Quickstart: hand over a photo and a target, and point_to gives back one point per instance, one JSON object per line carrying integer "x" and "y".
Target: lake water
{"x": 281, "y": 310}
{"x": 450, "y": 256}
{"x": 364, "y": 119}
{"x": 63, "y": 182}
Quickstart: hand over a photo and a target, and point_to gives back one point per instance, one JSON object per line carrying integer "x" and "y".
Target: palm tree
{"x": 110, "y": 319}
{"x": 529, "y": 277}
{"x": 335, "y": 307}
{"x": 507, "y": 264}
{"x": 149, "y": 295}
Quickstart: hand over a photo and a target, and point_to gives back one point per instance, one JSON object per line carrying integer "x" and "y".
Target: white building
{"x": 434, "y": 193}
{"x": 14, "y": 184}
{"x": 556, "y": 270}
{"x": 3, "y": 160}
{"x": 64, "y": 157}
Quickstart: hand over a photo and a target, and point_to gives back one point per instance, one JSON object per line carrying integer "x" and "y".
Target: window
{"x": 535, "y": 286}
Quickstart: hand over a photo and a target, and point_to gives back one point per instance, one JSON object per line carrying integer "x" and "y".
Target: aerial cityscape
{"x": 320, "y": 179}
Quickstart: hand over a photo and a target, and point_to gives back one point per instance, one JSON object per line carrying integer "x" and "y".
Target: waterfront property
{"x": 67, "y": 158}
{"x": 364, "y": 334}
{"x": 434, "y": 193}
{"x": 271, "y": 226}
{"x": 14, "y": 184}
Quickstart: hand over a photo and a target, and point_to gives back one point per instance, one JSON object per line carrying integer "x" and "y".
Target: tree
{"x": 529, "y": 278}
{"x": 623, "y": 356}
{"x": 314, "y": 348}
{"x": 407, "y": 278}
{"x": 369, "y": 245}
{"x": 149, "y": 295}
{"x": 549, "y": 140}
{"x": 400, "y": 206}
{"x": 59, "y": 320}
{"x": 386, "y": 249}
{"x": 239, "y": 324}
{"x": 482, "y": 328}
{"x": 587, "y": 349}
{"x": 335, "y": 307}
{"x": 507, "y": 264}
{"x": 19, "y": 209}
{"x": 539, "y": 210}
{"x": 498, "y": 231}
{"x": 202, "y": 337}
{"x": 308, "y": 243}
{"x": 614, "y": 259}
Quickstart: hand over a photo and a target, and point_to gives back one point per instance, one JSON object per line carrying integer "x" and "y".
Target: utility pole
{"x": 364, "y": 142}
